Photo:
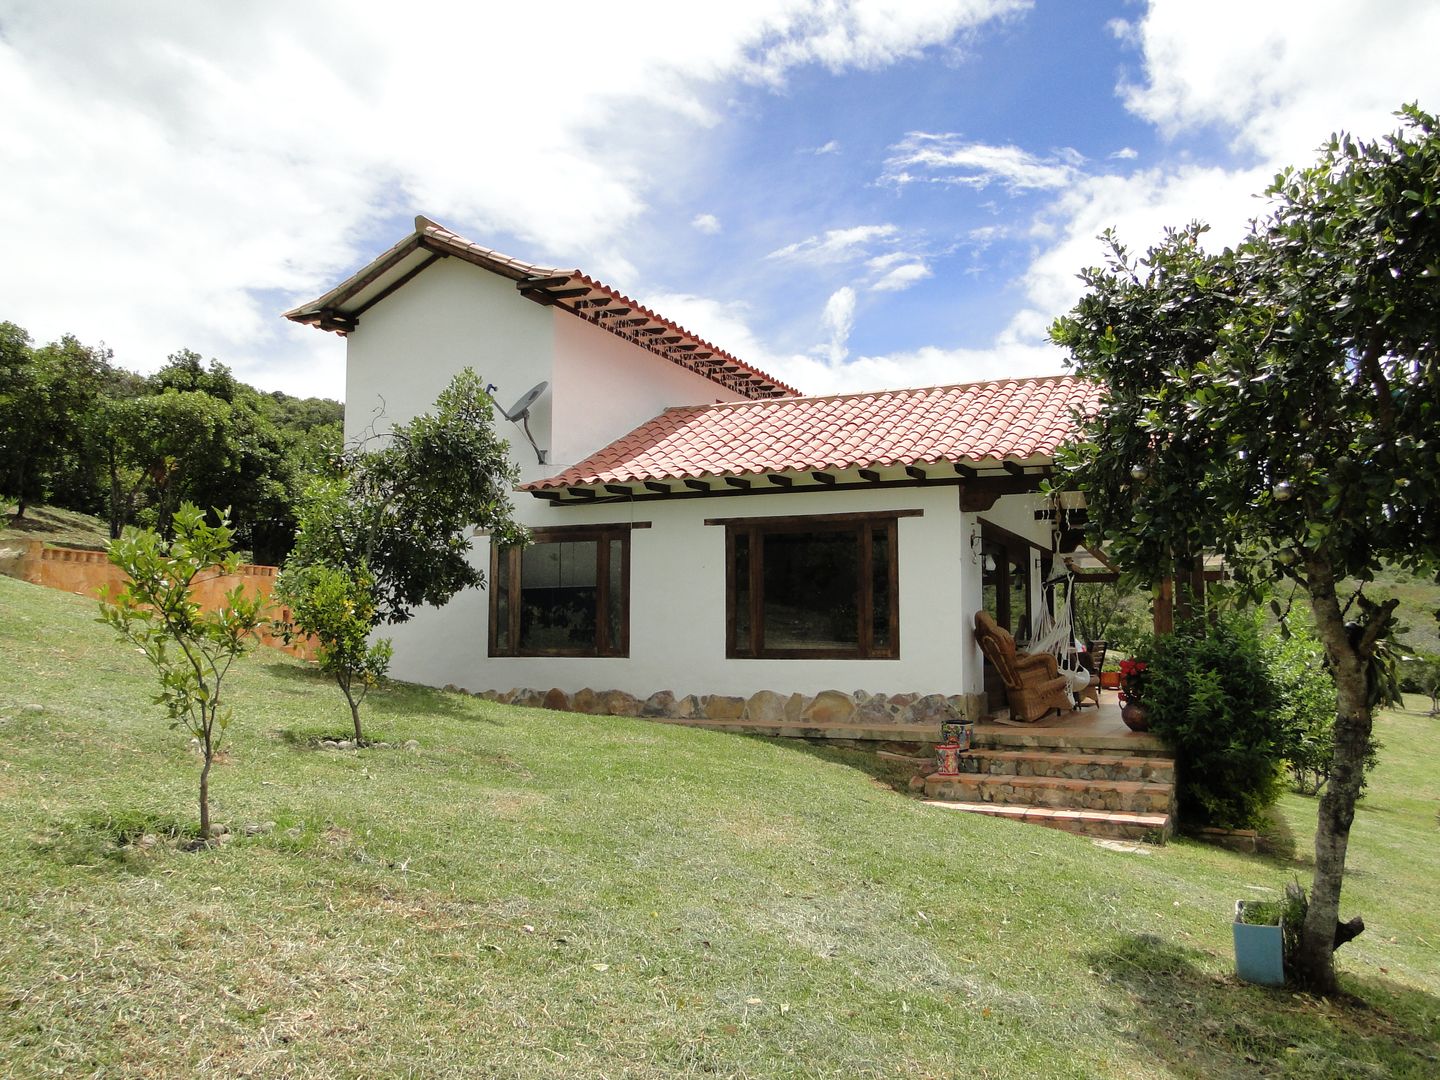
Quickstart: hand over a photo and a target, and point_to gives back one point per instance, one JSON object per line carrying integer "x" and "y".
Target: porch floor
{"x": 1084, "y": 729}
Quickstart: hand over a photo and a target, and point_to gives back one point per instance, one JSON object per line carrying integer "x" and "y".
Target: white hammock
{"x": 1055, "y": 634}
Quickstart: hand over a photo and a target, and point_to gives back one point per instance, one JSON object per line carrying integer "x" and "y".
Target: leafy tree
{"x": 1279, "y": 403}
{"x": 337, "y": 608}
{"x": 190, "y": 649}
{"x": 399, "y": 518}
{"x": 47, "y": 399}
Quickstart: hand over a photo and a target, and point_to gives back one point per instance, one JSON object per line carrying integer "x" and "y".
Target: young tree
{"x": 399, "y": 519}
{"x": 191, "y": 650}
{"x": 1277, "y": 403}
{"x": 337, "y": 608}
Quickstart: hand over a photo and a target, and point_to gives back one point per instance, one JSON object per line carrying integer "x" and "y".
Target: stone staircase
{"x": 1114, "y": 787}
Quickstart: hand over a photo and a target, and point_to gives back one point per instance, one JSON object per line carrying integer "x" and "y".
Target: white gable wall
{"x": 605, "y": 386}
{"x": 454, "y": 315}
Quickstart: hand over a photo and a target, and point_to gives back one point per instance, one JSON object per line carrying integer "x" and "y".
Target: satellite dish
{"x": 521, "y": 409}
{"x": 519, "y": 413}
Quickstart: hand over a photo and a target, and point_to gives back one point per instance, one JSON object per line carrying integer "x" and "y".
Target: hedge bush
{"x": 1214, "y": 697}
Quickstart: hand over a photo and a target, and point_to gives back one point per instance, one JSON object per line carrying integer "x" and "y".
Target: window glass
{"x": 880, "y": 587}
{"x": 811, "y": 581}
{"x": 813, "y": 587}
{"x": 558, "y": 596}
{"x": 500, "y": 605}
{"x": 740, "y": 579}
{"x": 615, "y": 596}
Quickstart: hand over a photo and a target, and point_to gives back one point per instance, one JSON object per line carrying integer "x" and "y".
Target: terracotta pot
{"x": 1136, "y": 716}
{"x": 1110, "y": 680}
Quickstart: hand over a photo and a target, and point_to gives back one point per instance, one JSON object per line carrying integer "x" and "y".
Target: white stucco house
{"x": 710, "y": 546}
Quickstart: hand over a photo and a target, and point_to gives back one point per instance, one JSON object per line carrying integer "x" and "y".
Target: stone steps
{"x": 1105, "y": 824}
{"x": 1055, "y": 792}
{"x": 1070, "y": 765}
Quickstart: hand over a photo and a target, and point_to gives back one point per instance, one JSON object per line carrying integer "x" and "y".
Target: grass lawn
{"x": 63, "y": 528}
{"x": 538, "y": 894}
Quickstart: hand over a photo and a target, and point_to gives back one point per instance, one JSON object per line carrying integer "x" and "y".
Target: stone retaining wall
{"x": 829, "y": 709}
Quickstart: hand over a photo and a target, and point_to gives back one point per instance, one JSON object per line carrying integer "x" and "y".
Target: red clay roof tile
{"x": 1008, "y": 420}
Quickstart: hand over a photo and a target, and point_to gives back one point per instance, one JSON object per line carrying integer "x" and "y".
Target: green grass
{"x": 63, "y": 528}
{"x": 537, "y": 894}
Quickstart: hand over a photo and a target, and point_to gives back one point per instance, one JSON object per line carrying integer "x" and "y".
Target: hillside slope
{"x": 545, "y": 894}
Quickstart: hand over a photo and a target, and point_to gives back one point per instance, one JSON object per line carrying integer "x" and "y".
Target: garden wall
{"x": 88, "y": 572}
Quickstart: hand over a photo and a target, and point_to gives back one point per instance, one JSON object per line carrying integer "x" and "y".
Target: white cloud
{"x": 706, "y": 223}
{"x": 831, "y": 147}
{"x": 839, "y": 319}
{"x": 177, "y": 173}
{"x": 947, "y": 159}
{"x": 902, "y": 277}
{"x": 1125, "y": 153}
{"x": 836, "y": 245}
{"x": 1279, "y": 77}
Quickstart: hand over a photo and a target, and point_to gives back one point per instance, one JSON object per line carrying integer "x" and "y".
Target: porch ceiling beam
{"x": 966, "y": 471}
{"x": 1014, "y": 468}
{"x": 823, "y": 478}
{"x": 871, "y": 475}
{"x": 631, "y": 322}
{"x": 737, "y": 482}
{"x": 652, "y": 330}
{"x": 779, "y": 481}
{"x": 697, "y": 485}
{"x": 656, "y": 486}
{"x": 548, "y": 496}
{"x": 619, "y": 489}
{"x": 612, "y": 312}
{"x": 915, "y": 472}
{"x": 580, "y": 493}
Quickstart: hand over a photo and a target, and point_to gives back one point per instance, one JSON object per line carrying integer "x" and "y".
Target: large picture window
{"x": 817, "y": 587}
{"x": 565, "y": 594}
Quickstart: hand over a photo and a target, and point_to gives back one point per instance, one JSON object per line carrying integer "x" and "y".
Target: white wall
{"x": 677, "y": 608}
{"x": 606, "y": 387}
{"x": 453, "y": 315}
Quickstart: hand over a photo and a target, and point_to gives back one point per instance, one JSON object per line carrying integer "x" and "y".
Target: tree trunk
{"x": 354, "y": 708}
{"x": 1315, "y": 962}
{"x": 205, "y": 793}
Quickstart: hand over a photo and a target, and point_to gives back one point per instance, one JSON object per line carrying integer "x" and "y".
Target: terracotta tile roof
{"x": 983, "y": 424}
{"x": 574, "y": 291}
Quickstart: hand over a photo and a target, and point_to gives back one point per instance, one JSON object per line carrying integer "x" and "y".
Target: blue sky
{"x": 850, "y": 194}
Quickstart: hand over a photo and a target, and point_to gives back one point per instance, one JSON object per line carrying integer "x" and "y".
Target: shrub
{"x": 1213, "y": 697}
{"x": 1305, "y": 708}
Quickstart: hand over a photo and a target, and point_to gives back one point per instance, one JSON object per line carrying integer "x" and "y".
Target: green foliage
{"x": 388, "y": 529}
{"x": 1421, "y": 675}
{"x": 337, "y": 608}
{"x": 190, "y": 649}
{"x": 1306, "y": 708}
{"x": 1213, "y": 698}
{"x": 1278, "y": 403}
{"x": 48, "y": 401}
{"x": 404, "y": 512}
{"x": 80, "y": 434}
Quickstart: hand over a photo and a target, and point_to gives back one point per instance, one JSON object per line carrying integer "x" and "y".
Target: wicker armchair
{"x": 1033, "y": 683}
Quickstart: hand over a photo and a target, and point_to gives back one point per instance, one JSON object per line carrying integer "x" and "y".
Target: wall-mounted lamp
{"x": 975, "y": 543}
{"x": 989, "y": 564}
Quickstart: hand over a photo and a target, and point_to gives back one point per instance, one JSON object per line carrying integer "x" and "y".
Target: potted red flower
{"x": 1133, "y": 709}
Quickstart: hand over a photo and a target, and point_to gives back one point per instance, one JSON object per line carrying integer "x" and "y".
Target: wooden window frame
{"x": 515, "y": 554}
{"x": 861, "y": 526}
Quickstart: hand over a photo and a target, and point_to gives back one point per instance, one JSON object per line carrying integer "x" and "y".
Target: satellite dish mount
{"x": 519, "y": 413}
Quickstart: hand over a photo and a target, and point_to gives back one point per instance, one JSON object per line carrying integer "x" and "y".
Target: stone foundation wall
{"x": 829, "y": 709}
